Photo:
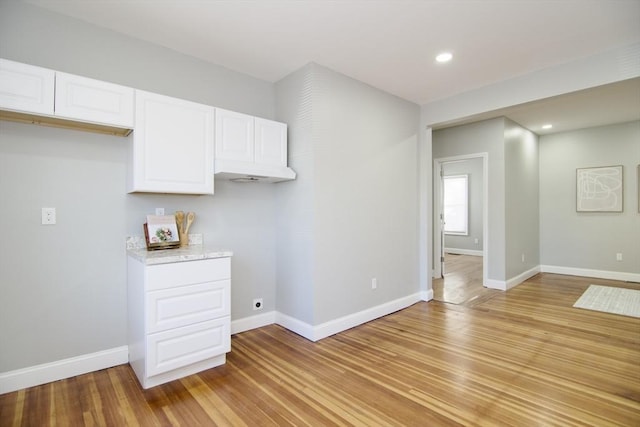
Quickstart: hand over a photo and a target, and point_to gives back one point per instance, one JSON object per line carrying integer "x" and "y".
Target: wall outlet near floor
{"x": 619, "y": 256}
{"x": 522, "y": 257}
{"x": 374, "y": 283}
{"x": 476, "y": 241}
{"x": 257, "y": 304}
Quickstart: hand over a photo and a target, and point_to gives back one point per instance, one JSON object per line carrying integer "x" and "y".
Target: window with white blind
{"x": 456, "y": 205}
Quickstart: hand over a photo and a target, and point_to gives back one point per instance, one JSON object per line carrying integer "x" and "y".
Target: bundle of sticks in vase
{"x": 183, "y": 226}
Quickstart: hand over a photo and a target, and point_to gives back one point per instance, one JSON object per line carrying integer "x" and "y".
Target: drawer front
{"x": 176, "y": 348}
{"x": 186, "y": 305}
{"x": 187, "y": 273}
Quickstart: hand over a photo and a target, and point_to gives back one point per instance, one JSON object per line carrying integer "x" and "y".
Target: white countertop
{"x": 182, "y": 254}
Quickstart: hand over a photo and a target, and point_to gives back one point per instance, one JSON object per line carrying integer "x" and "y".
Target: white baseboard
{"x": 253, "y": 322}
{"x": 61, "y": 369}
{"x": 426, "y": 295}
{"x": 316, "y": 333}
{"x": 294, "y": 325}
{"x": 515, "y": 281}
{"x": 471, "y": 252}
{"x": 585, "y": 272}
{"x": 504, "y": 285}
{"x": 500, "y": 285}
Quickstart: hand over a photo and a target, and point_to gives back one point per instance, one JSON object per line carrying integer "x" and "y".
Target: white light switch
{"x": 48, "y": 216}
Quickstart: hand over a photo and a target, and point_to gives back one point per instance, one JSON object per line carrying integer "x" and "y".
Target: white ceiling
{"x": 389, "y": 44}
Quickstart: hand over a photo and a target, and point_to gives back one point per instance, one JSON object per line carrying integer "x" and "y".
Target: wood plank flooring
{"x": 524, "y": 357}
{"x": 462, "y": 281}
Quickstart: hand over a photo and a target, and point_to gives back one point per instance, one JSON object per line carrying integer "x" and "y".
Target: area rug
{"x": 610, "y": 300}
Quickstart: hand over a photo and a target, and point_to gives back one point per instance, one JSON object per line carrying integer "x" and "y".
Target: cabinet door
{"x": 89, "y": 100}
{"x": 176, "y": 348}
{"x": 187, "y": 305}
{"x": 172, "y": 146}
{"x": 234, "y": 136}
{"x": 270, "y": 143}
{"x": 26, "y": 88}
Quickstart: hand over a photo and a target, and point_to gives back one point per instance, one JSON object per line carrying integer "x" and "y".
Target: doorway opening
{"x": 461, "y": 228}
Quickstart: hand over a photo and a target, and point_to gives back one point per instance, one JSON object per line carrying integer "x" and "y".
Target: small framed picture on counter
{"x": 161, "y": 232}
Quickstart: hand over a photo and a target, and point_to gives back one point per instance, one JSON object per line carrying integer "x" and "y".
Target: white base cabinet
{"x": 179, "y": 318}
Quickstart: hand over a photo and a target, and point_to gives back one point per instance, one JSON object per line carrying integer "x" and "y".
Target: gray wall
{"x": 513, "y": 189}
{"x": 62, "y": 287}
{"x": 522, "y": 199}
{"x": 589, "y": 240}
{"x": 473, "y": 169}
{"x": 488, "y": 137}
{"x": 360, "y": 209}
{"x": 296, "y": 200}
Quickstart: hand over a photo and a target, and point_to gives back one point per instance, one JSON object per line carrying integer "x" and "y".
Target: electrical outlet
{"x": 159, "y": 211}
{"x": 195, "y": 239}
{"x": 48, "y": 216}
{"x": 374, "y": 283}
{"x": 257, "y": 304}
{"x": 522, "y": 257}
{"x": 476, "y": 241}
{"x": 619, "y": 256}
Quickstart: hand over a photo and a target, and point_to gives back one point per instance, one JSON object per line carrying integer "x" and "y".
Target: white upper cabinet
{"x": 270, "y": 142}
{"x": 26, "y": 88}
{"x": 234, "y": 136}
{"x": 250, "y": 148}
{"x": 95, "y": 101}
{"x": 39, "y": 95}
{"x": 173, "y": 146}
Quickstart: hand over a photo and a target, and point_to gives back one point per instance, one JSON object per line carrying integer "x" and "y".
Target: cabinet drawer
{"x": 176, "y": 348}
{"x": 188, "y": 273}
{"x": 186, "y": 305}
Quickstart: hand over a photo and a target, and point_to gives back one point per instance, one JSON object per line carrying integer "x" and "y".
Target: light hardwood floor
{"x": 524, "y": 357}
{"x": 462, "y": 281}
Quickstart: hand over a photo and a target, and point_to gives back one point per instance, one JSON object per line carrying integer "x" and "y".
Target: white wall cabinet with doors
{"x": 177, "y": 146}
{"x": 26, "y": 88}
{"x": 178, "y": 317}
{"x": 248, "y": 146}
{"x": 89, "y": 100}
{"x": 39, "y": 95}
{"x": 173, "y": 146}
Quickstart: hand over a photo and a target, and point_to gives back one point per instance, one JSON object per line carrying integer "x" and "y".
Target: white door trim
{"x": 437, "y": 207}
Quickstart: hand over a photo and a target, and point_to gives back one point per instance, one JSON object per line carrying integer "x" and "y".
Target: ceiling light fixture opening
{"x": 444, "y": 57}
{"x": 547, "y": 126}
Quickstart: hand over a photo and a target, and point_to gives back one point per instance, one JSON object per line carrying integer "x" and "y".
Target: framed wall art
{"x": 599, "y": 189}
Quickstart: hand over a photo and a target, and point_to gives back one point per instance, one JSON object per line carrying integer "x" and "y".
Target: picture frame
{"x": 161, "y": 232}
{"x": 599, "y": 189}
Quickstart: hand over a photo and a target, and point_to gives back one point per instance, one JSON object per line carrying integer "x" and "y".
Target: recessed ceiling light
{"x": 547, "y": 126}
{"x": 444, "y": 57}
